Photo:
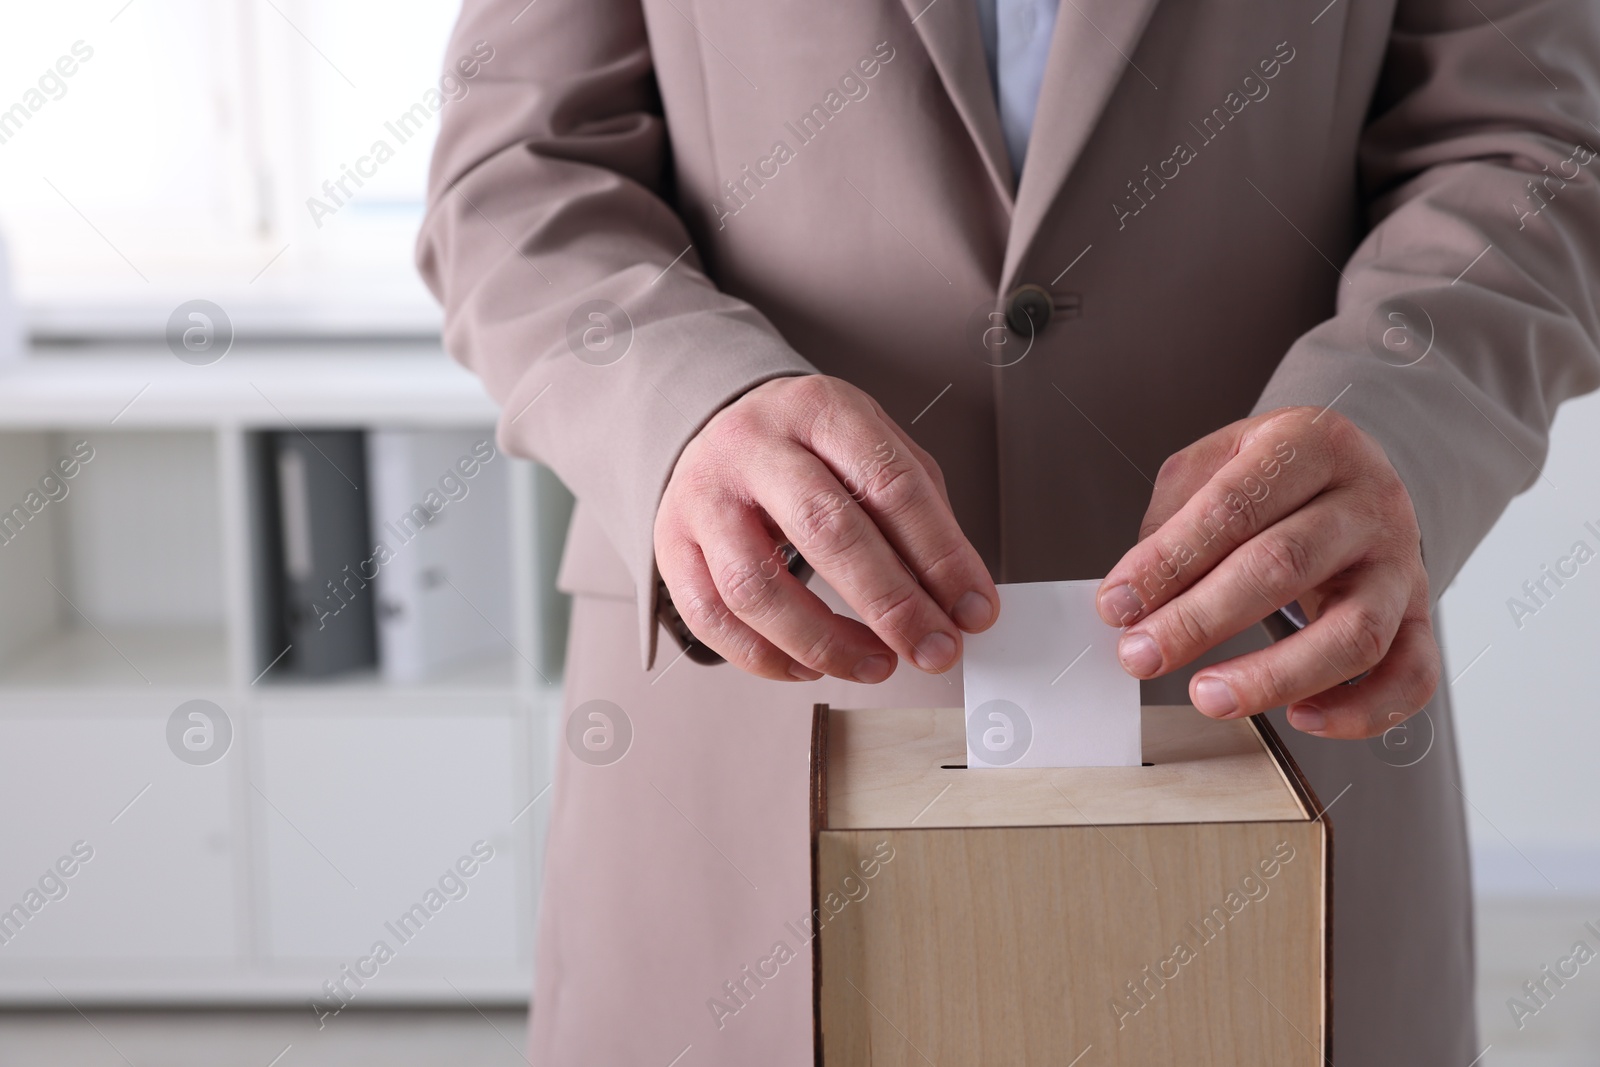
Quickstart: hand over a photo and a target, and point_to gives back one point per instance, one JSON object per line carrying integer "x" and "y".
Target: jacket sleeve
{"x": 570, "y": 286}
{"x": 1469, "y": 312}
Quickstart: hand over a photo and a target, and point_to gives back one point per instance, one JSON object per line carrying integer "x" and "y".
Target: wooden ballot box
{"x": 1170, "y": 914}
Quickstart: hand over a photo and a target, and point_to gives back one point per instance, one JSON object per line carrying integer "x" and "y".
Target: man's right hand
{"x": 815, "y": 462}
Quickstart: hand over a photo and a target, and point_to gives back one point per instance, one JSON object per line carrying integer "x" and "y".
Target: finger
{"x": 1278, "y": 565}
{"x": 922, "y": 455}
{"x": 841, "y": 541}
{"x": 967, "y": 612}
{"x": 1186, "y": 472}
{"x": 1400, "y": 687}
{"x": 1352, "y": 634}
{"x": 697, "y": 601}
{"x": 747, "y": 568}
{"x": 1268, "y": 479}
{"x": 894, "y": 488}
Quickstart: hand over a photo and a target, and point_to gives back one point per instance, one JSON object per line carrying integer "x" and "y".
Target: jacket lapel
{"x": 949, "y": 31}
{"x": 1089, "y": 55}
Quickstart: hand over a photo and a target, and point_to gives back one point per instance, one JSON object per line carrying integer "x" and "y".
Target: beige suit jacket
{"x": 618, "y": 153}
{"x": 1234, "y": 205}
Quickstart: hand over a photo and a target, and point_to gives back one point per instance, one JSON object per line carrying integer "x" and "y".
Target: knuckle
{"x": 1173, "y": 467}
{"x": 898, "y": 484}
{"x": 1410, "y": 531}
{"x": 1399, "y": 511}
{"x": 715, "y": 626}
{"x": 824, "y": 652}
{"x": 733, "y": 428}
{"x": 1270, "y": 684}
{"x": 1233, "y": 510}
{"x": 672, "y": 538}
{"x": 825, "y": 519}
{"x": 889, "y": 480}
{"x": 1363, "y": 635}
{"x": 810, "y": 389}
{"x": 1380, "y": 524}
{"x": 931, "y": 465}
{"x": 746, "y": 588}
{"x": 946, "y": 565}
{"x": 1338, "y": 527}
{"x": 1347, "y": 447}
{"x": 1421, "y": 681}
{"x": 1313, "y": 429}
{"x": 709, "y": 619}
{"x": 895, "y": 608}
{"x": 821, "y": 403}
{"x": 1339, "y": 432}
{"x": 1293, "y": 422}
{"x": 670, "y": 532}
{"x": 702, "y": 485}
{"x": 1188, "y": 629}
{"x": 704, "y": 614}
{"x": 1280, "y": 562}
{"x": 754, "y": 656}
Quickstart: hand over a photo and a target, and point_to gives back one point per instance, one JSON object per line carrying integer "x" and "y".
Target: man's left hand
{"x": 1295, "y": 504}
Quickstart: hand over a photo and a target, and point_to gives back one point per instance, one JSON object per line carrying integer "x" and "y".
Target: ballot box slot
{"x": 963, "y": 766}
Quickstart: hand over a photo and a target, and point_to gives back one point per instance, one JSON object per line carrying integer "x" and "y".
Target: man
{"x": 749, "y": 275}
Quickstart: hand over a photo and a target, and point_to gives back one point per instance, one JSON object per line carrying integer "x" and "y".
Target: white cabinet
{"x": 363, "y": 816}
{"x": 147, "y": 840}
{"x": 132, "y": 587}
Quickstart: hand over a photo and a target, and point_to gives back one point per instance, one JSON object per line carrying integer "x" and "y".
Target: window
{"x": 154, "y": 151}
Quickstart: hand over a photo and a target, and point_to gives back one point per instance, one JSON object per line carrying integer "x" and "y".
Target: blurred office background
{"x": 225, "y": 870}
{"x": 213, "y": 795}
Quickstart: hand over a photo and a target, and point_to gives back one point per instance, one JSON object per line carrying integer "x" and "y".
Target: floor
{"x": 372, "y": 1038}
{"x": 1515, "y": 940}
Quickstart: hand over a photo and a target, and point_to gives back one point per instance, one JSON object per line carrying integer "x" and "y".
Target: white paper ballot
{"x": 1043, "y": 685}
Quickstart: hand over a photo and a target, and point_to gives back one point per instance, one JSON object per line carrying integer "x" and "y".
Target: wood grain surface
{"x": 1039, "y": 945}
{"x": 886, "y": 768}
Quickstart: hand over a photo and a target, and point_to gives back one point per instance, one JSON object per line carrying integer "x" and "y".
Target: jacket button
{"x": 1028, "y": 310}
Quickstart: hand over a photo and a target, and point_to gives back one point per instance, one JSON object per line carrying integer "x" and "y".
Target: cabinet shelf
{"x": 262, "y": 385}
{"x": 120, "y": 656}
{"x": 494, "y": 674}
{"x": 138, "y": 585}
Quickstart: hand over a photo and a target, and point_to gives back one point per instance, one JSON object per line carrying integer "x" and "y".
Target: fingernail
{"x": 972, "y": 612}
{"x": 801, "y": 673}
{"x": 935, "y": 651}
{"x": 1213, "y": 697}
{"x": 1120, "y": 605}
{"x": 1307, "y": 720}
{"x": 1140, "y": 655}
{"x": 873, "y": 669}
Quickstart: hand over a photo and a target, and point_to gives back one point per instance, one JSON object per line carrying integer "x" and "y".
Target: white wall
{"x": 1527, "y": 709}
